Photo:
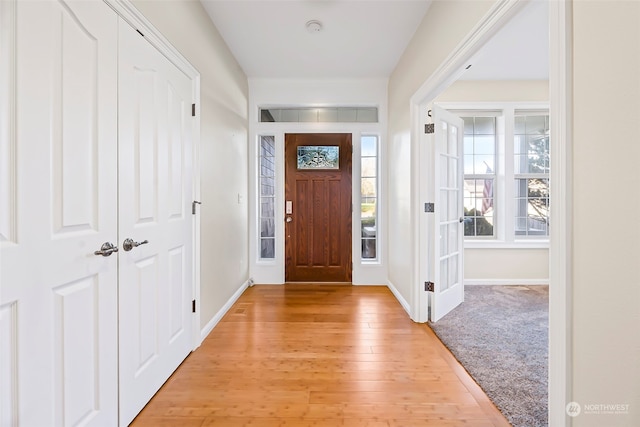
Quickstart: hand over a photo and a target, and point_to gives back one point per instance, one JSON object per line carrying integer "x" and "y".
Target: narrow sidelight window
{"x": 531, "y": 173}
{"x": 267, "y": 187}
{"x": 369, "y": 196}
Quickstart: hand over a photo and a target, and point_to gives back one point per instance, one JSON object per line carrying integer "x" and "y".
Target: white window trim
{"x": 357, "y": 206}
{"x": 258, "y": 243}
{"x": 504, "y": 210}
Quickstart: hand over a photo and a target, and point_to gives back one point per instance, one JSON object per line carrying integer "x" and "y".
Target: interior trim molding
{"x": 8, "y": 64}
{"x": 454, "y": 65}
{"x": 561, "y": 236}
{"x": 403, "y": 302}
{"x": 220, "y": 314}
{"x": 137, "y": 20}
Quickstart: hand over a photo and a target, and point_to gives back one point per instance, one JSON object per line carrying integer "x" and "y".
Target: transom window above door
{"x": 319, "y": 115}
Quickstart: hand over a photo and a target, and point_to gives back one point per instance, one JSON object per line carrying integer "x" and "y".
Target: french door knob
{"x": 106, "y": 249}
{"x": 289, "y": 219}
{"x": 129, "y": 244}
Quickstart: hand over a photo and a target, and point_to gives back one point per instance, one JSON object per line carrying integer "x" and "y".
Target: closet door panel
{"x": 154, "y": 198}
{"x": 58, "y": 300}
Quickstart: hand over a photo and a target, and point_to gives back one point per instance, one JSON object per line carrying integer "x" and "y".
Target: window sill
{"x": 501, "y": 244}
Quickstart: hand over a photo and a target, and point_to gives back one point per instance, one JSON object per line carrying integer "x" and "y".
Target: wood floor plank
{"x": 320, "y": 355}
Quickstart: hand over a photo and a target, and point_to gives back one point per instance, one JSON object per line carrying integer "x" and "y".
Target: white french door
{"x": 447, "y": 232}
{"x": 155, "y": 182}
{"x": 58, "y": 300}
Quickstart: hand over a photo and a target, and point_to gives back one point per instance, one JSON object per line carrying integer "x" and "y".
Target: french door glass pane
{"x": 443, "y": 240}
{"x": 443, "y": 203}
{"x": 444, "y": 274}
{"x": 453, "y": 205}
{"x": 453, "y": 238}
{"x": 453, "y": 270}
{"x": 452, "y": 144}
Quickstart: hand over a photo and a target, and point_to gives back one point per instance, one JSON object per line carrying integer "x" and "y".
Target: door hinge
{"x": 429, "y": 128}
{"x": 193, "y": 306}
{"x": 193, "y": 206}
{"x": 429, "y": 207}
{"x": 193, "y": 110}
{"x": 428, "y": 286}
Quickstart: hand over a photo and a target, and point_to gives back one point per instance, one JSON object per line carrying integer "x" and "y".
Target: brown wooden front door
{"x": 318, "y": 207}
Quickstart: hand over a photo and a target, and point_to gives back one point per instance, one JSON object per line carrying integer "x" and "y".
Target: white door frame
{"x": 560, "y": 252}
{"x": 130, "y": 14}
{"x": 272, "y": 271}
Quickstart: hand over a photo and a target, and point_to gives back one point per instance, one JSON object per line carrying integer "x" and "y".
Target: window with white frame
{"x": 506, "y": 174}
{"x": 369, "y": 196}
{"x": 531, "y": 174}
{"x": 479, "y": 175}
{"x": 267, "y": 196}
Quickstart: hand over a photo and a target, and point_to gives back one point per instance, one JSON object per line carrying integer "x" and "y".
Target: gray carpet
{"x": 500, "y": 335}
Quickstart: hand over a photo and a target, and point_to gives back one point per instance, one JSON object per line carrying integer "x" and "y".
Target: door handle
{"x": 289, "y": 219}
{"x": 106, "y": 249}
{"x": 129, "y": 244}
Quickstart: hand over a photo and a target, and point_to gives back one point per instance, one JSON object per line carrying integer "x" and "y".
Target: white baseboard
{"x": 526, "y": 282}
{"x": 403, "y": 302}
{"x": 220, "y": 314}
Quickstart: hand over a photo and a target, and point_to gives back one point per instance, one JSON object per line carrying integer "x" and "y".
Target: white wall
{"x": 606, "y": 182}
{"x": 301, "y": 92}
{"x": 444, "y": 26}
{"x": 516, "y": 265}
{"x": 496, "y": 91}
{"x": 223, "y": 156}
{"x": 506, "y": 266}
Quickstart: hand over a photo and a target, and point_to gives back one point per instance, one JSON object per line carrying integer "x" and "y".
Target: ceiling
{"x": 359, "y": 38}
{"x": 520, "y": 51}
{"x": 362, "y": 38}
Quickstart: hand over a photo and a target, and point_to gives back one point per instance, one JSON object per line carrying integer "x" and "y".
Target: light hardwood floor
{"x": 320, "y": 355}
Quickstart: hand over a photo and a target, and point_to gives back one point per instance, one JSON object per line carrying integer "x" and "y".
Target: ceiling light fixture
{"x": 314, "y": 26}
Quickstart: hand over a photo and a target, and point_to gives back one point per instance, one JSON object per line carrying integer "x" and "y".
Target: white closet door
{"x": 155, "y": 178}
{"x": 58, "y": 300}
